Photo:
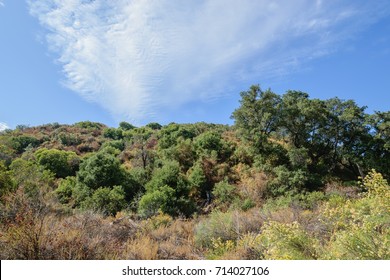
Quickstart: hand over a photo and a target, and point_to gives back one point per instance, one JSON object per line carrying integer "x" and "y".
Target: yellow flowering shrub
{"x": 360, "y": 228}
{"x": 281, "y": 241}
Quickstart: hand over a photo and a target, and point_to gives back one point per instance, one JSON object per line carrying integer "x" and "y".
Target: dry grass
{"x": 30, "y": 233}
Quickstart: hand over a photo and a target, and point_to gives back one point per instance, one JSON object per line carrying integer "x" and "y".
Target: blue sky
{"x": 184, "y": 61}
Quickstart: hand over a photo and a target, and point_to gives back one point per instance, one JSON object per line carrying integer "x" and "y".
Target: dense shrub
{"x": 284, "y": 180}
{"x": 6, "y": 154}
{"x": 126, "y": 126}
{"x": 61, "y": 163}
{"x": 201, "y": 187}
{"x": 65, "y": 189}
{"x": 116, "y": 144}
{"x": 162, "y": 199}
{"x": 20, "y": 143}
{"x": 31, "y": 177}
{"x": 154, "y": 125}
{"x": 68, "y": 139}
{"x": 107, "y": 200}
{"x": 113, "y": 133}
{"x": 224, "y": 193}
{"x": 89, "y": 125}
{"x": 168, "y": 191}
{"x": 100, "y": 170}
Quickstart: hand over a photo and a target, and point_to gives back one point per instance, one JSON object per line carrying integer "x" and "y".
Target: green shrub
{"x": 224, "y": 193}
{"x": 61, "y": 163}
{"x": 71, "y": 192}
{"x": 31, "y": 176}
{"x": 126, "y": 126}
{"x": 305, "y": 200}
{"x": 68, "y": 139}
{"x": 89, "y": 125}
{"x": 65, "y": 189}
{"x": 273, "y": 204}
{"x": 20, "y": 143}
{"x": 310, "y": 200}
{"x": 116, "y": 144}
{"x": 169, "y": 174}
{"x": 107, "y": 200}
{"x": 162, "y": 199}
{"x": 247, "y": 204}
{"x": 154, "y": 126}
{"x": 113, "y": 133}
{"x": 285, "y": 180}
{"x": 207, "y": 143}
{"x": 100, "y": 170}
{"x": 198, "y": 181}
{"x": 6, "y": 154}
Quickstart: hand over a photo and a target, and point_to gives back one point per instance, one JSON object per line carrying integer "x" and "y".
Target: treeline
{"x": 312, "y": 139}
{"x": 283, "y": 151}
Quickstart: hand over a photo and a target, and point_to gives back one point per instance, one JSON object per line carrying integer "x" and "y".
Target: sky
{"x": 184, "y": 61}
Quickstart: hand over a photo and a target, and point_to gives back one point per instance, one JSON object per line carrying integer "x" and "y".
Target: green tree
{"x": 201, "y": 187}
{"x": 207, "y": 143}
{"x": 224, "y": 192}
{"x": 61, "y": 163}
{"x": 162, "y": 199}
{"x": 258, "y": 115}
{"x": 346, "y": 136}
{"x": 126, "y": 126}
{"x": 108, "y": 200}
{"x": 100, "y": 170}
{"x": 168, "y": 191}
{"x": 72, "y": 192}
{"x": 154, "y": 126}
{"x": 113, "y": 133}
{"x": 173, "y": 133}
{"x": 301, "y": 119}
{"x": 378, "y": 152}
{"x": 103, "y": 169}
{"x": 20, "y": 143}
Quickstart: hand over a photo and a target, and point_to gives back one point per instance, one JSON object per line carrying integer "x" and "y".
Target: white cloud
{"x": 3, "y": 126}
{"x": 139, "y": 58}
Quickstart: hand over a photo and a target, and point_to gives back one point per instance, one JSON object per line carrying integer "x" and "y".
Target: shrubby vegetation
{"x": 294, "y": 178}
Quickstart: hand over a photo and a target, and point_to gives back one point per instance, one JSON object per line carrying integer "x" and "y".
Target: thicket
{"x": 294, "y": 178}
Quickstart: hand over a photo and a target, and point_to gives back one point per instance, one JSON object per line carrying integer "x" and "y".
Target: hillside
{"x": 294, "y": 178}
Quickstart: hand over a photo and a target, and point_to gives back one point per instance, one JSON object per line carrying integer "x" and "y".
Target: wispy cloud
{"x": 1, "y": 3}
{"x": 139, "y": 58}
{"x": 3, "y": 126}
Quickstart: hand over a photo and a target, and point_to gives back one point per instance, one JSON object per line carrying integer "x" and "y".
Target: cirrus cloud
{"x": 3, "y": 126}
{"x": 139, "y": 58}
